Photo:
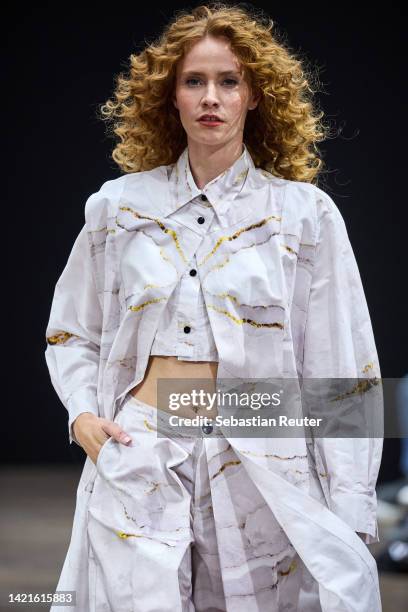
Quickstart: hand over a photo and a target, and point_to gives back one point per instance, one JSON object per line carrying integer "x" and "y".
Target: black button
{"x": 193, "y": 272}
{"x": 204, "y": 197}
{"x": 187, "y": 329}
{"x": 200, "y": 220}
{"x": 207, "y": 429}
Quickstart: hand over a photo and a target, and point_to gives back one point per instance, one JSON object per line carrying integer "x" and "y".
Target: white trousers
{"x": 176, "y": 524}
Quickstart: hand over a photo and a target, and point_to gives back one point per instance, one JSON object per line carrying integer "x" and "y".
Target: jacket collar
{"x": 220, "y": 191}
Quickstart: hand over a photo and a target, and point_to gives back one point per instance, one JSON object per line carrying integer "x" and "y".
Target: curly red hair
{"x": 281, "y": 133}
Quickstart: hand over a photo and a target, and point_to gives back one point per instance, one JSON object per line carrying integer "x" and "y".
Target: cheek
{"x": 186, "y": 104}
{"x": 236, "y": 104}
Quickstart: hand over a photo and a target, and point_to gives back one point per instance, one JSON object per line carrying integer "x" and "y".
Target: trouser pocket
{"x": 138, "y": 520}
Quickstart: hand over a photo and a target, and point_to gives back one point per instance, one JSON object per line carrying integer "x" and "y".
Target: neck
{"x": 206, "y": 162}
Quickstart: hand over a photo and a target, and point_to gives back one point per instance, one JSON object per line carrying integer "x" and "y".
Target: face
{"x": 210, "y": 81}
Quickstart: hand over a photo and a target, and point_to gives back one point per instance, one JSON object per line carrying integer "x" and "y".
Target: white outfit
{"x": 152, "y": 500}
{"x": 284, "y": 299}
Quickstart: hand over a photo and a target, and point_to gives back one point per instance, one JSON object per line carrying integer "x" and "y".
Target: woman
{"x": 213, "y": 258}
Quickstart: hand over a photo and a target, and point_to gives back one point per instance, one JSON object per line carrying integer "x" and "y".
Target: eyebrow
{"x": 203, "y": 73}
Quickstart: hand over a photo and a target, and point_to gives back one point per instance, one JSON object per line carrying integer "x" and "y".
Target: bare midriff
{"x": 163, "y": 366}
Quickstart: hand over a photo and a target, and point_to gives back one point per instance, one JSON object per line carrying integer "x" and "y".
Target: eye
{"x": 231, "y": 81}
{"x": 189, "y": 80}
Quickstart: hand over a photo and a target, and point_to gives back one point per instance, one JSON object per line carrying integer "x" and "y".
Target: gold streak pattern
{"x": 125, "y": 535}
{"x": 292, "y": 567}
{"x": 227, "y": 259}
{"x": 247, "y": 452}
{"x": 153, "y": 301}
{"x": 361, "y": 387}
{"x": 236, "y": 234}
{"x": 132, "y": 518}
{"x": 60, "y": 338}
{"x": 288, "y": 248}
{"x": 165, "y": 229}
{"x": 234, "y": 299}
{"x": 225, "y": 465}
{"x": 164, "y": 256}
{"x": 148, "y": 426}
{"x": 216, "y": 267}
{"x": 155, "y": 286}
{"x": 241, "y": 321}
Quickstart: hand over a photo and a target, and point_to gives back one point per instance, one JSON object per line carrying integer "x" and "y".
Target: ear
{"x": 254, "y": 101}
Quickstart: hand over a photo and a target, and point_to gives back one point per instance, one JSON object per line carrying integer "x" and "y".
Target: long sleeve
{"x": 73, "y": 333}
{"x": 339, "y": 344}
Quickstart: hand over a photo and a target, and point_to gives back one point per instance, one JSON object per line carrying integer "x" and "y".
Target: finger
{"x": 117, "y": 432}
{"x": 104, "y": 440}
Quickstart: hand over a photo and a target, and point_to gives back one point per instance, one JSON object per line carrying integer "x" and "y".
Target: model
{"x": 215, "y": 257}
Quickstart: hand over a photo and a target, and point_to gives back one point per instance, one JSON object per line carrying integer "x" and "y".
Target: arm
{"x": 339, "y": 344}
{"x": 73, "y": 333}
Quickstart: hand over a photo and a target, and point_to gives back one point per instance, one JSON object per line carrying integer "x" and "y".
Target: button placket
{"x": 188, "y": 317}
{"x": 187, "y": 312}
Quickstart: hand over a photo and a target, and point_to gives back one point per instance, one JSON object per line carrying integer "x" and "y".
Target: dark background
{"x": 62, "y": 63}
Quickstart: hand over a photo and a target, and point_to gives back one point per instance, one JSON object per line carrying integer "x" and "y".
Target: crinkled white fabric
{"x": 278, "y": 252}
{"x": 176, "y": 524}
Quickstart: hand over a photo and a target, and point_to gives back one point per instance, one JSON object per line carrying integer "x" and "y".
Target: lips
{"x": 210, "y": 118}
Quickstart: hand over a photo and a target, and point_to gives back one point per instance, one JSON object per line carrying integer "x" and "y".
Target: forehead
{"x": 210, "y": 55}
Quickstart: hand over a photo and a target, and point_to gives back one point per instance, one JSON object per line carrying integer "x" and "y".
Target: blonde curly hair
{"x": 281, "y": 132}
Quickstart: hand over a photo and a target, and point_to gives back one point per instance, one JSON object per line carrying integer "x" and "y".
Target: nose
{"x": 210, "y": 94}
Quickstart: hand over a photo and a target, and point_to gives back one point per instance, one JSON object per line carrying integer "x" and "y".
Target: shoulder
{"x": 323, "y": 203}
{"x": 307, "y": 206}
{"x": 104, "y": 203}
{"x": 297, "y": 197}
{"x": 329, "y": 226}
{"x": 300, "y": 194}
{"x": 315, "y": 204}
{"x": 311, "y": 196}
